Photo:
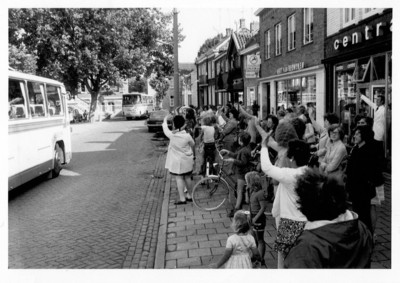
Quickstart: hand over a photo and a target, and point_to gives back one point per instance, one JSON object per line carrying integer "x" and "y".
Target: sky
{"x": 200, "y": 24}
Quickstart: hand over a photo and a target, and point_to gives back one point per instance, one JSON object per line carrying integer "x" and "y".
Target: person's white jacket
{"x": 379, "y": 118}
{"x": 285, "y": 203}
{"x": 180, "y": 154}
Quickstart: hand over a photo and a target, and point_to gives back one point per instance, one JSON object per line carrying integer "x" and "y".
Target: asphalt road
{"x": 86, "y": 217}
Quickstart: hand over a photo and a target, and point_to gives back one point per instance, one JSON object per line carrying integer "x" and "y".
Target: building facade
{"x": 358, "y": 60}
{"x": 251, "y": 62}
{"x": 292, "y": 49}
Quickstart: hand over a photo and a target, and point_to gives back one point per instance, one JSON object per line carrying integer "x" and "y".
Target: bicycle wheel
{"x": 210, "y": 193}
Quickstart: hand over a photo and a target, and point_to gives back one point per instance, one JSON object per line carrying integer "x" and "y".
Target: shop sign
{"x": 251, "y": 75}
{"x": 290, "y": 68}
{"x": 357, "y": 37}
{"x": 253, "y": 63}
{"x": 345, "y": 66}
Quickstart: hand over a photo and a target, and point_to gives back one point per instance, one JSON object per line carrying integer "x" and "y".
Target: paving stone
{"x": 176, "y": 255}
{"x": 176, "y": 240}
{"x": 197, "y": 238}
{"x": 218, "y": 251}
{"x": 192, "y": 261}
{"x": 210, "y": 244}
{"x": 213, "y": 225}
{"x": 187, "y": 246}
{"x": 199, "y": 252}
{"x": 186, "y": 233}
{"x": 170, "y": 264}
{"x": 205, "y": 231}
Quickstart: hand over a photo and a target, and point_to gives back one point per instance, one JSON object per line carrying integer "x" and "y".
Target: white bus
{"x": 39, "y": 133}
{"x": 135, "y": 105}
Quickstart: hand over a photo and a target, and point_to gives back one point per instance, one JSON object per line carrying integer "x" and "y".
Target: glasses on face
{"x": 334, "y": 133}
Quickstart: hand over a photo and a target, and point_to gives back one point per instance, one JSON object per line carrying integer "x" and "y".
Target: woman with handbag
{"x": 363, "y": 174}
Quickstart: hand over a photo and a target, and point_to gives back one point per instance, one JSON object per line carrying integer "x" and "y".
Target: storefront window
{"x": 378, "y": 68}
{"x": 295, "y": 92}
{"x": 346, "y": 101}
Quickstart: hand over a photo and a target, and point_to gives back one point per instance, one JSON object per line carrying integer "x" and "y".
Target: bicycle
{"x": 212, "y": 191}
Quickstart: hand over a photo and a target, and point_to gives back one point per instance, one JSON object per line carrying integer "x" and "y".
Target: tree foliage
{"x": 21, "y": 60}
{"x": 209, "y": 43}
{"x": 95, "y": 47}
{"x": 137, "y": 84}
{"x": 160, "y": 85}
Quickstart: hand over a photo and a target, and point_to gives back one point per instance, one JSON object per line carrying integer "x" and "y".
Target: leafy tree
{"x": 21, "y": 60}
{"x": 209, "y": 43}
{"x": 137, "y": 84}
{"x": 95, "y": 47}
{"x": 160, "y": 85}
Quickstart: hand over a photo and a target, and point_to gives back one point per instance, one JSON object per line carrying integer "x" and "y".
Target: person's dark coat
{"x": 362, "y": 172}
{"x": 346, "y": 244}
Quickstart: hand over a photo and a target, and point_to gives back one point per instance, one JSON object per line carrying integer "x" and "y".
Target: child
{"x": 258, "y": 204}
{"x": 238, "y": 246}
{"x": 208, "y": 143}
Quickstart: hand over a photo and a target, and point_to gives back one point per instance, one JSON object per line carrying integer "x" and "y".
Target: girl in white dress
{"x": 239, "y": 246}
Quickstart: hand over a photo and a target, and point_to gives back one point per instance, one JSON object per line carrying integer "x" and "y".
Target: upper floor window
{"x": 291, "y": 32}
{"x": 308, "y": 25}
{"x": 349, "y": 16}
{"x": 212, "y": 70}
{"x": 368, "y": 12}
{"x": 267, "y": 39}
{"x": 226, "y": 65}
{"x": 209, "y": 70}
{"x": 278, "y": 39}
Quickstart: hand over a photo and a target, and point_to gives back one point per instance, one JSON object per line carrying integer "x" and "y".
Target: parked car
{"x": 155, "y": 120}
{"x": 74, "y": 115}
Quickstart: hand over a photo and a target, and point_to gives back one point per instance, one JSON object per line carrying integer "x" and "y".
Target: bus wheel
{"x": 58, "y": 157}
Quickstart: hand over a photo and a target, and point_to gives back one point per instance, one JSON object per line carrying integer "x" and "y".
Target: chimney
{"x": 254, "y": 26}
{"x": 242, "y": 23}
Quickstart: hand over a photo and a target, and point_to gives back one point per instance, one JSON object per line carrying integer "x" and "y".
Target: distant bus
{"x": 39, "y": 133}
{"x": 135, "y": 105}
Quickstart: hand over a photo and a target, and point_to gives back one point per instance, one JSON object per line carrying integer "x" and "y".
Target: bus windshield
{"x": 131, "y": 99}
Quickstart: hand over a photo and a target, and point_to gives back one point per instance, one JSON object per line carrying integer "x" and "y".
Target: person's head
{"x": 298, "y": 151}
{"x": 336, "y": 132}
{"x": 244, "y": 139}
{"x": 178, "y": 122}
{"x": 357, "y": 118}
{"x": 320, "y": 196}
{"x": 189, "y": 114}
{"x": 205, "y": 107}
{"x": 241, "y": 102}
{"x": 284, "y": 133}
{"x": 299, "y": 126}
{"x": 281, "y": 114}
{"x": 213, "y": 119}
{"x": 380, "y": 100}
{"x": 233, "y": 113}
{"x": 253, "y": 180}
{"x": 206, "y": 121}
{"x": 363, "y": 134}
{"x": 366, "y": 121}
{"x": 272, "y": 122}
{"x": 240, "y": 222}
{"x": 289, "y": 110}
{"x": 310, "y": 104}
{"x": 254, "y": 102}
{"x": 301, "y": 110}
{"x": 330, "y": 119}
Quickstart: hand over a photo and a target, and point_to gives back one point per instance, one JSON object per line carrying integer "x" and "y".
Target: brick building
{"x": 291, "y": 48}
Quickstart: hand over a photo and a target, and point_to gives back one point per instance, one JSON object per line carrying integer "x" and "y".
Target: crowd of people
{"x": 323, "y": 191}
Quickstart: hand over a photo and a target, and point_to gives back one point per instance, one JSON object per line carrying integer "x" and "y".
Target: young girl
{"x": 238, "y": 246}
{"x": 208, "y": 139}
{"x": 258, "y": 204}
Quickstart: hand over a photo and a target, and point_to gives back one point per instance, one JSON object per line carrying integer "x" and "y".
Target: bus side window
{"x": 36, "y": 99}
{"x": 16, "y": 100}
{"x": 54, "y": 100}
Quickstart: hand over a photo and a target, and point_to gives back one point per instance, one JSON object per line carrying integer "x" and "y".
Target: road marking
{"x": 66, "y": 172}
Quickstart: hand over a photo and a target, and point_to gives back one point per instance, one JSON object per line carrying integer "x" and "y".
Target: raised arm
{"x": 316, "y": 126}
{"x": 167, "y": 131}
{"x": 247, "y": 115}
{"x": 368, "y": 101}
{"x": 272, "y": 171}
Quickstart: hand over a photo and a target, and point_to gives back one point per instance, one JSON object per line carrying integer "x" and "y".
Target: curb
{"x": 162, "y": 232}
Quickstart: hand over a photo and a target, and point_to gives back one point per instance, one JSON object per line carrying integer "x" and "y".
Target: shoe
{"x": 189, "y": 199}
{"x": 179, "y": 202}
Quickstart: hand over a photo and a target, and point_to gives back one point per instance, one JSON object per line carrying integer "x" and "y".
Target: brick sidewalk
{"x": 193, "y": 238}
